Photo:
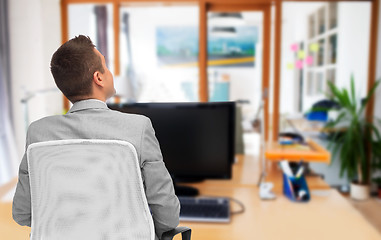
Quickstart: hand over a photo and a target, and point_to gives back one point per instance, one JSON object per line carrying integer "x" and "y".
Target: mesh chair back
{"x": 87, "y": 189}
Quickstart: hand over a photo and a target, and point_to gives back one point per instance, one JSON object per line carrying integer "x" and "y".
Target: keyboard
{"x": 204, "y": 209}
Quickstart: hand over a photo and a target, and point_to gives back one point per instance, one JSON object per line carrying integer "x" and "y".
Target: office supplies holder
{"x": 294, "y": 187}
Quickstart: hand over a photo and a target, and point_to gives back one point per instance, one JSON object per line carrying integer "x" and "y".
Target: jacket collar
{"x": 87, "y": 104}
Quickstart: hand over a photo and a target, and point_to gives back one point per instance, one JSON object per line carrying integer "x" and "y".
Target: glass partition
{"x": 159, "y": 52}
{"x": 95, "y": 21}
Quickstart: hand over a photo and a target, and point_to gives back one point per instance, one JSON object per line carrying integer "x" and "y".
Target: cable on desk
{"x": 242, "y": 210}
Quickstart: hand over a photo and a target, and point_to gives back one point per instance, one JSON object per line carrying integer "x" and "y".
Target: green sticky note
{"x": 314, "y": 47}
{"x": 301, "y": 54}
{"x": 290, "y": 66}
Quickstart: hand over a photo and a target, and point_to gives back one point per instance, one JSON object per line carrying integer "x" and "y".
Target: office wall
{"x": 353, "y": 45}
{"x": 35, "y": 33}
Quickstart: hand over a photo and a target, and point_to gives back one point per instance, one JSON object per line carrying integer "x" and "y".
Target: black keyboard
{"x": 204, "y": 209}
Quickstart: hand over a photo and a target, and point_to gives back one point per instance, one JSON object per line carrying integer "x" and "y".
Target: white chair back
{"x": 87, "y": 189}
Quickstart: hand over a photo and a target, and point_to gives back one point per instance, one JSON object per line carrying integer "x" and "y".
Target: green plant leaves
{"x": 351, "y": 142}
{"x": 369, "y": 96}
{"x": 353, "y": 93}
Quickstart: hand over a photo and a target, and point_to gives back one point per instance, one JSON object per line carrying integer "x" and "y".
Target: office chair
{"x": 89, "y": 189}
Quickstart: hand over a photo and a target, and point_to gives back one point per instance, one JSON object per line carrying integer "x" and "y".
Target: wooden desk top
{"x": 324, "y": 217}
{"x": 301, "y": 124}
{"x": 9, "y": 229}
{"x": 312, "y": 152}
{"x": 329, "y": 216}
{"x": 246, "y": 172}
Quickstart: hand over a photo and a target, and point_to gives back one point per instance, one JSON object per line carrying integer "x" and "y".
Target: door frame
{"x": 236, "y": 4}
{"x": 265, "y": 8}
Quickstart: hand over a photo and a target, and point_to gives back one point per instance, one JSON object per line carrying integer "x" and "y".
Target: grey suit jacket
{"x": 92, "y": 119}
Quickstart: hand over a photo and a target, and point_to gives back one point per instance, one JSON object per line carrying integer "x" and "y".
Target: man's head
{"x": 80, "y": 71}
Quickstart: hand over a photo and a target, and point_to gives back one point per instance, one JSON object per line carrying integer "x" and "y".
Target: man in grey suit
{"x": 80, "y": 72}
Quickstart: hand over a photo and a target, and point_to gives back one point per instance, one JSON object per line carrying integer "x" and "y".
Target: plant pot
{"x": 360, "y": 191}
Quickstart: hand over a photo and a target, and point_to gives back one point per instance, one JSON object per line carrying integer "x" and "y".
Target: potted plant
{"x": 376, "y": 146}
{"x": 377, "y": 181}
{"x": 352, "y": 138}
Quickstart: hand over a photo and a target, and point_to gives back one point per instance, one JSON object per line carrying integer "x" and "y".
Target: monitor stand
{"x": 188, "y": 191}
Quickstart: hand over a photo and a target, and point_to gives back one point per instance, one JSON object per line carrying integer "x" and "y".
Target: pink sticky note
{"x": 299, "y": 64}
{"x": 309, "y": 60}
{"x": 294, "y": 47}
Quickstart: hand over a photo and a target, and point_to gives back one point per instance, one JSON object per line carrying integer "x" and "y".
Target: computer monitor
{"x": 196, "y": 139}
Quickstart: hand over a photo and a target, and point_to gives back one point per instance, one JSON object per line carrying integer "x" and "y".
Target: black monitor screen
{"x": 196, "y": 139}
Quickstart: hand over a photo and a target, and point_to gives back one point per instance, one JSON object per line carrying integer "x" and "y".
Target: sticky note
{"x": 309, "y": 60}
{"x": 294, "y": 47}
{"x": 301, "y": 54}
{"x": 314, "y": 47}
{"x": 299, "y": 64}
{"x": 290, "y": 66}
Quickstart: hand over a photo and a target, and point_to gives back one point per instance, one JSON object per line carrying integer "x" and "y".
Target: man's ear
{"x": 98, "y": 79}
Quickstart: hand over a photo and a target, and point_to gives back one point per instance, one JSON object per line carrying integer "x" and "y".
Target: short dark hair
{"x": 73, "y": 66}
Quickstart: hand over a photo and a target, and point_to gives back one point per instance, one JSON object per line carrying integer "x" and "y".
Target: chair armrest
{"x": 185, "y": 232}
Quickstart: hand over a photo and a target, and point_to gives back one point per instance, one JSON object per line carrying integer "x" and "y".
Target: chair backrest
{"x": 87, "y": 189}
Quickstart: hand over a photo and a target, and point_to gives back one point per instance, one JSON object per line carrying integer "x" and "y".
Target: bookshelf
{"x": 322, "y": 32}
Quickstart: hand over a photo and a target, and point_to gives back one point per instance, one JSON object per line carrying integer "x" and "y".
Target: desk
{"x": 311, "y": 152}
{"x": 9, "y": 229}
{"x": 329, "y": 216}
{"x": 324, "y": 217}
{"x": 245, "y": 174}
{"x": 302, "y": 125}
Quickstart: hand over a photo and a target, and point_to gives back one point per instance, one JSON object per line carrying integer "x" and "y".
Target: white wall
{"x": 35, "y": 33}
{"x": 353, "y": 45}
